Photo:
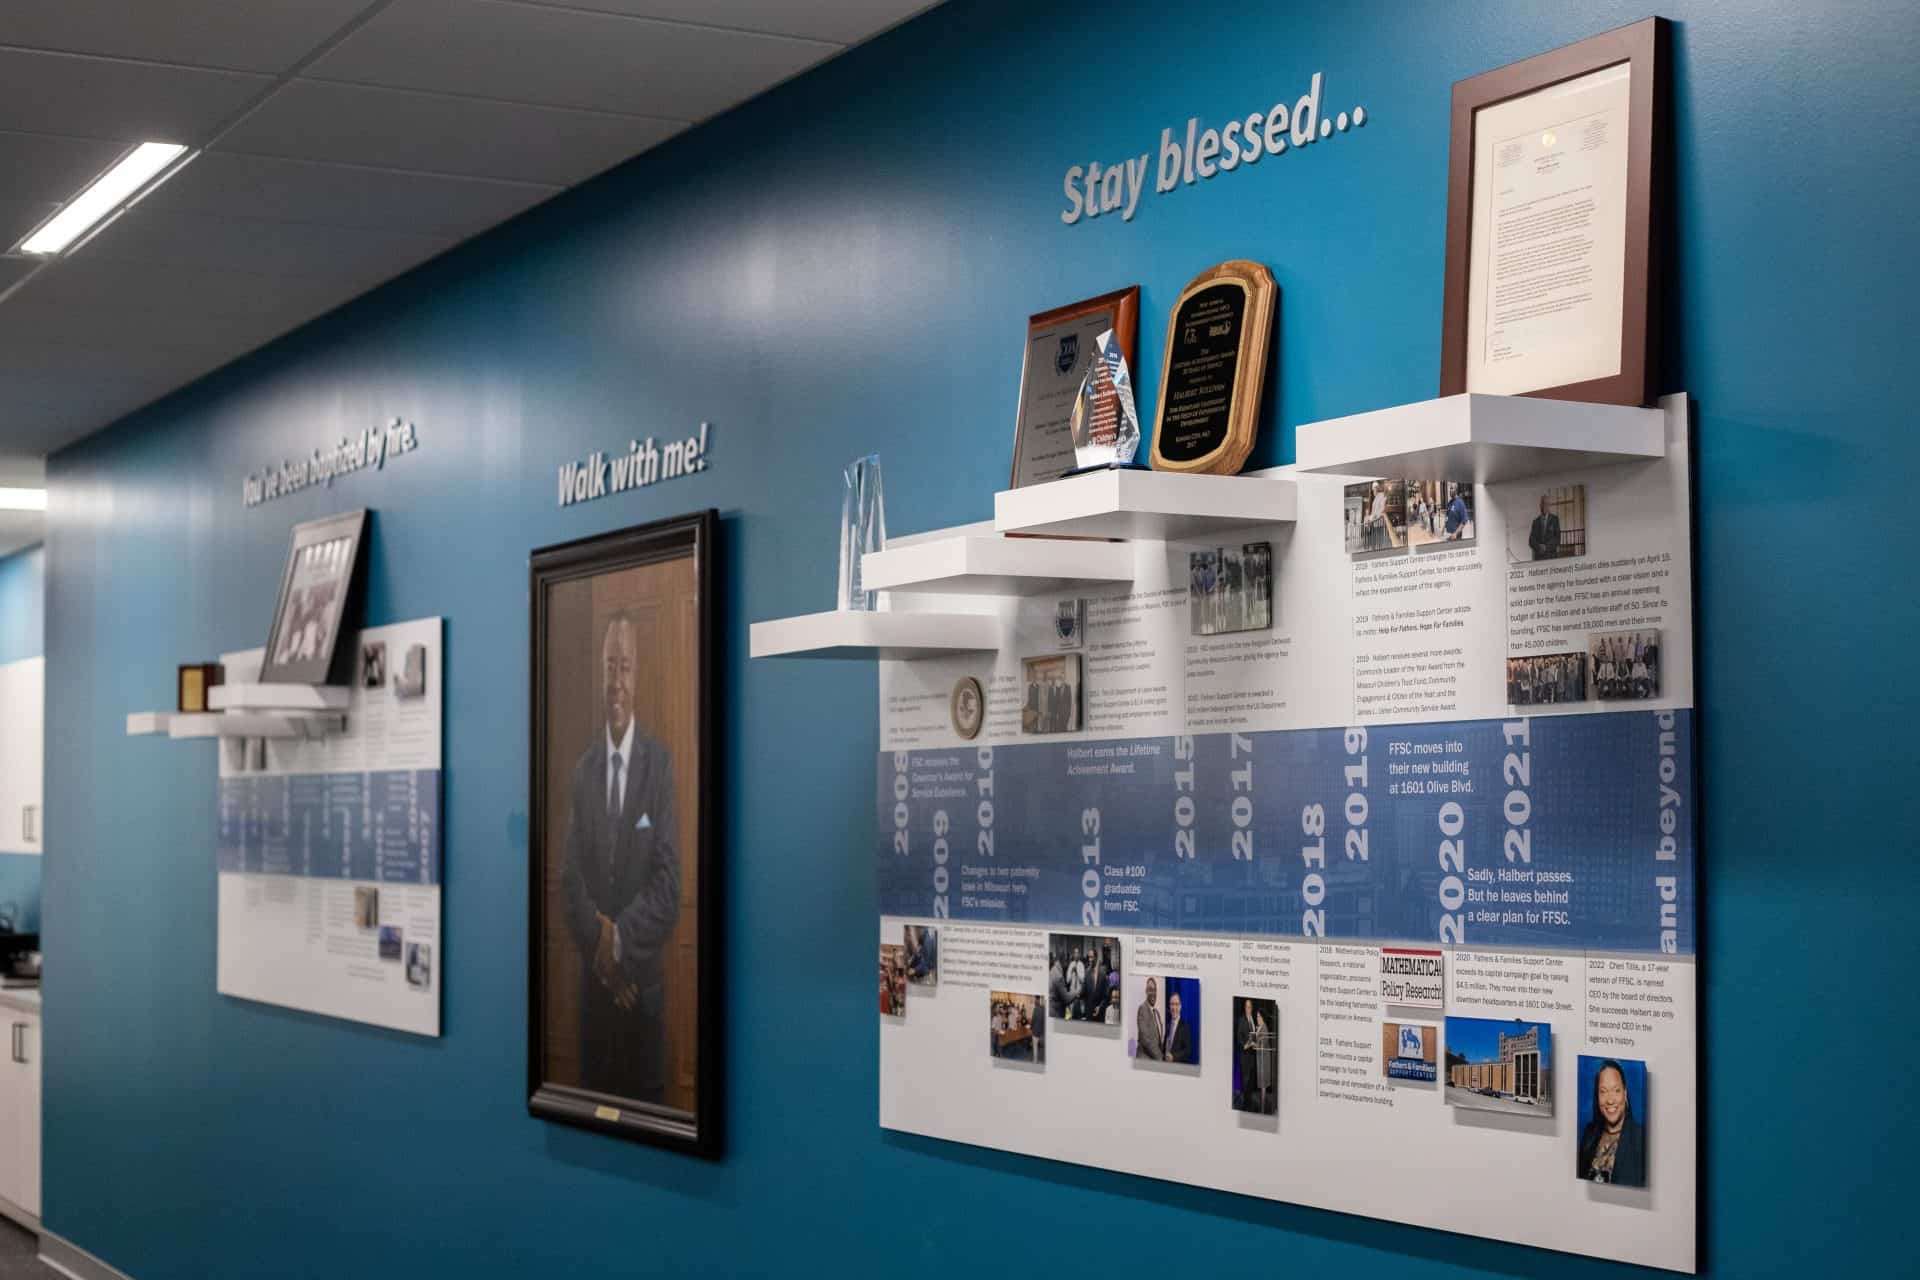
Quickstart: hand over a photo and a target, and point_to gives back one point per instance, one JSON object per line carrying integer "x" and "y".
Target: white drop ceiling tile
{"x": 429, "y": 133}
{"x": 839, "y": 21}
{"x": 122, "y": 101}
{"x": 14, "y": 269}
{"x": 164, "y": 328}
{"x": 564, "y": 58}
{"x": 261, "y": 248}
{"x": 254, "y": 35}
{"x": 249, "y": 186}
{"x": 83, "y": 281}
{"x": 45, "y": 168}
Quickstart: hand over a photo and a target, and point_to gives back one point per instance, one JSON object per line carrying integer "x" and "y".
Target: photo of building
{"x": 1500, "y": 1066}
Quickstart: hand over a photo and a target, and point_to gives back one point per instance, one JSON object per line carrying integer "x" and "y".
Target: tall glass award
{"x": 863, "y": 527}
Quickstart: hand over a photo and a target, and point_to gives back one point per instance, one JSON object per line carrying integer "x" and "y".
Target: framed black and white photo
{"x": 316, "y": 593}
{"x": 623, "y": 1028}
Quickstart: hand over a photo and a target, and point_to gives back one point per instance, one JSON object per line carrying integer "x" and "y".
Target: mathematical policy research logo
{"x": 1069, "y": 353}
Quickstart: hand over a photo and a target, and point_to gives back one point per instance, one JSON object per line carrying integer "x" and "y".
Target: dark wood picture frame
{"x": 695, "y": 1130}
{"x": 1125, "y": 305}
{"x": 332, "y": 664}
{"x": 1646, "y": 45}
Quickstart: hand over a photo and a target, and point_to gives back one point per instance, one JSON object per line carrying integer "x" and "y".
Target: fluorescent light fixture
{"x": 107, "y": 194}
{"x": 23, "y": 499}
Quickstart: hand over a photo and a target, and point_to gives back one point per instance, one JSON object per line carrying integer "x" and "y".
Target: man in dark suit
{"x": 1544, "y": 538}
{"x": 622, "y": 885}
{"x": 1246, "y": 1038}
{"x": 1179, "y": 1035}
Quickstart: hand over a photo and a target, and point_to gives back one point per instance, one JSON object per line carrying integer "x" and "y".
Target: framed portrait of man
{"x": 623, "y": 979}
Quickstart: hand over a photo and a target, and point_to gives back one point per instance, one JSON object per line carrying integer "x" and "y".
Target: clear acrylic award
{"x": 1106, "y": 427}
{"x": 863, "y": 527}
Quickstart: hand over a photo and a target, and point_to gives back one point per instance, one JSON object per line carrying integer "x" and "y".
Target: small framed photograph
{"x": 1495, "y": 1065}
{"x": 1613, "y": 1121}
{"x": 1626, "y": 665}
{"x": 1410, "y": 1051}
{"x": 1546, "y": 679}
{"x": 923, "y": 955}
{"x": 1017, "y": 1027}
{"x": 893, "y": 980}
{"x": 1083, "y": 978}
{"x": 373, "y": 665}
{"x": 1256, "y": 1055}
{"x": 412, "y": 679}
{"x": 1376, "y": 517}
{"x": 366, "y": 908}
{"x": 419, "y": 965}
{"x": 1053, "y": 694}
{"x": 313, "y": 608}
{"x": 1230, "y": 589}
{"x": 1439, "y": 513}
{"x": 1163, "y": 1019}
{"x": 623, "y": 1020}
{"x": 1556, "y": 527}
{"x": 390, "y": 940}
{"x": 1070, "y": 623}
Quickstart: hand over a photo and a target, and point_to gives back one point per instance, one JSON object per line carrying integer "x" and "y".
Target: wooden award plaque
{"x": 1215, "y": 366}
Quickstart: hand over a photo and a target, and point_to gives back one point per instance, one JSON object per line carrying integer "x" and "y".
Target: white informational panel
{"x": 1415, "y": 853}
{"x": 329, "y": 857}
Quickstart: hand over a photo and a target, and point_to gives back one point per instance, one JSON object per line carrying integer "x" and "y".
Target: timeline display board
{"x": 1348, "y": 862}
{"x": 329, "y": 853}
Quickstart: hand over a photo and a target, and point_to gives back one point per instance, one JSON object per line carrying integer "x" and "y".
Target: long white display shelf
{"x": 1169, "y": 506}
{"x": 990, "y": 564}
{"x": 255, "y": 724}
{"x": 1480, "y": 438}
{"x": 279, "y": 697}
{"x": 248, "y": 710}
{"x": 847, "y": 633}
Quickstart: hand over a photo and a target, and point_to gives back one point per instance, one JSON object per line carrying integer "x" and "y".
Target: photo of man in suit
{"x": 1544, "y": 538}
{"x": 1150, "y": 1032}
{"x": 622, "y": 884}
{"x": 1179, "y": 1034}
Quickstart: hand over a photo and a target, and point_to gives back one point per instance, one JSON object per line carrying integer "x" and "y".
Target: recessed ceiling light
{"x": 106, "y": 195}
{"x": 23, "y": 499}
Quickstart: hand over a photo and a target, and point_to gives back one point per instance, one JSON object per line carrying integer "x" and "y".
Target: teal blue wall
{"x": 23, "y": 597}
{"x": 844, "y": 266}
{"x": 23, "y": 604}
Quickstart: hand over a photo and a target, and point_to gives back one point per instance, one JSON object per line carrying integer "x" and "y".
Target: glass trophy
{"x": 863, "y": 527}
{"x": 1106, "y": 428}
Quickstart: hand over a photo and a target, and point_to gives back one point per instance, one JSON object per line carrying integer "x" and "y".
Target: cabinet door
{"x": 13, "y": 1111}
{"x": 22, "y": 726}
{"x": 27, "y": 1182}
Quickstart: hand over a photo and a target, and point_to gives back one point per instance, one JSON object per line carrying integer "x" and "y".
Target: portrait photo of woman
{"x": 1613, "y": 1133}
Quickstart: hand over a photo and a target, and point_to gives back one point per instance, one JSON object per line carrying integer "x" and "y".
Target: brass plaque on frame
{"x": 1214, "y": 369}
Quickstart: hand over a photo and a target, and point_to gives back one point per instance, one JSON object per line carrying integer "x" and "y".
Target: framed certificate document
{"x": 1060, "y": 344}
{"x": 1553, "y": 223}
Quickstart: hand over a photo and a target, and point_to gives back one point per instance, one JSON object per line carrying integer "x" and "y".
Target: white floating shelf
{"x": 256, "y": 724}
{"x": 1480, "y": 438}
{"x": 145, "y": 722}
{"x": 849, "y": 633}
{"x": 279, "y": 697}
{"x": 1170, "y": 506}
{"x": 995, "y": 565}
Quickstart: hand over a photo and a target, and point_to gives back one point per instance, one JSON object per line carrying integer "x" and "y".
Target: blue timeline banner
{"x": 1549, "y": 831}
{"x": 336, "y": 826}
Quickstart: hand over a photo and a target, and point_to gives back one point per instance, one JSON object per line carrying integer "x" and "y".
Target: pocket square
{"x": 645, "y": 823}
